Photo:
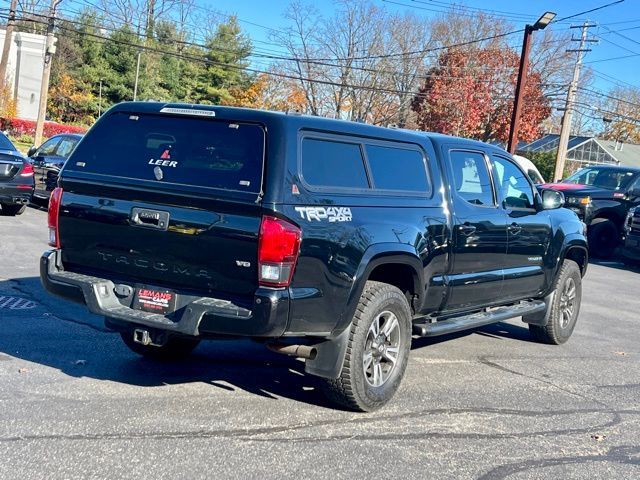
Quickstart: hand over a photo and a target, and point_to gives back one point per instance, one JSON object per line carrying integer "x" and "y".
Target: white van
{"x": 529, "y": 167}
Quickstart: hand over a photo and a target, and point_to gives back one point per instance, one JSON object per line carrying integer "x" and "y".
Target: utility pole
{"x": 542, "y": 22}
{"x": 100, "y": 100}
{"x": 8, "y": 38}
{"x": 50, "y": 49}
{"x": 565, "y": 129}
{"x": 135, "y": 85}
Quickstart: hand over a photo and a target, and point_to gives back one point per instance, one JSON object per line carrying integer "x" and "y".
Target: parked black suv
{"x": 601, "y": 196}
{"x": 328, "y": 240}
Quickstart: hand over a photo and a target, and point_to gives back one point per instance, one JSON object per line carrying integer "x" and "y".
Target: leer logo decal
{"x": 333, "y": 214}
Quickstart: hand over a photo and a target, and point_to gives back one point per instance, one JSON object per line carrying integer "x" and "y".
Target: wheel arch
{"x": 396, "y": 264}
{"x": 580, "y": 255}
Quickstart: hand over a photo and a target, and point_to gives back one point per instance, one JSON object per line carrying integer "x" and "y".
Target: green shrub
{"x": 27, "y": 139}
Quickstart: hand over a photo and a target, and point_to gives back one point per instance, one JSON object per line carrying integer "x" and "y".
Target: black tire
{"x": 40, "y": 202}
{"x": 603, "y": 238}
{"x": 356, "y": 387}
{"x": 175, "y": 348}
{"x": 561, "y": 321}
{"x": 12, "y": 210}
{"x": 630, "y": 262}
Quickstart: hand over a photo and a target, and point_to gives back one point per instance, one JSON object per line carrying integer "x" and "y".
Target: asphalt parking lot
{"x": 76, "y": 403}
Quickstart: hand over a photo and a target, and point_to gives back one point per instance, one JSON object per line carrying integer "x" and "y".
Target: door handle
{"x": 467, "y": 229}
{"x": 514, "y": 229}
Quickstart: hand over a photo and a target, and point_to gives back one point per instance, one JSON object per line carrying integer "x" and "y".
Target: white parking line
{"x": 16, "y": 303}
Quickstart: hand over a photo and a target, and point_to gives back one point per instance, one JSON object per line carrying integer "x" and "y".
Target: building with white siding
{"x": 24, "y": 70}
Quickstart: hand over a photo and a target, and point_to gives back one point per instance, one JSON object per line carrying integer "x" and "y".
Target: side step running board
{"x": 456, "y": 324}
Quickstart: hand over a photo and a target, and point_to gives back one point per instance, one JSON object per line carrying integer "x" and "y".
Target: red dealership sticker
{"x": 156, "y": 301}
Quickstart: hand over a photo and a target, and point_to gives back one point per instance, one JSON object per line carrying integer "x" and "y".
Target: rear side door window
{"x": 471, "y": 179}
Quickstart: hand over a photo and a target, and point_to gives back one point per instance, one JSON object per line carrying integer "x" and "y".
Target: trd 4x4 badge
{"x": 333, "y": 214}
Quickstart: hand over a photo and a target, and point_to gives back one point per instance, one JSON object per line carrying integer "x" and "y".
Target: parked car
{"x": 530, "y": 168}
{"x": 328, "y": 240}
{"x": 631, "y": 249}
{"x": 48, "y": 159}
{"x": 601, "y": 196}
{"x": 16, "y": 179}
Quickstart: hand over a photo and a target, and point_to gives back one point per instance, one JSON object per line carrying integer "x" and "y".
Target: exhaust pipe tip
{"x": 299, "y": 351}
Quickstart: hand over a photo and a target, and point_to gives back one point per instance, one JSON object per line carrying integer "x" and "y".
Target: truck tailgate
{"x": 184, "y": 243}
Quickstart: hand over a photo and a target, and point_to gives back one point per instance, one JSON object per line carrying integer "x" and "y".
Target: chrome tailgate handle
{"x": 145, "y": 217}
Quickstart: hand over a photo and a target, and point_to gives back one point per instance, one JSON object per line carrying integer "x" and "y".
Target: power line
{"x": 497, "y": 13}
{"x": 610, "y": 97}
{"x": 618, "y": 45}
{"x": 609, "y": 78}
{"x": 457, "y": 9}
{"x": 623, "y": 57}
{"x": 621, "y": 35}
{"x": 479, "y": 40}
{"x": 610, "y": 4}
{"x": 237, "y": 67}
{"x": 416, "y": 75}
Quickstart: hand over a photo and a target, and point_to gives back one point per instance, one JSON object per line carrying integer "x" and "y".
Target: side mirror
{"x": 552, "y": 199}
{"x": 31, "y": 151}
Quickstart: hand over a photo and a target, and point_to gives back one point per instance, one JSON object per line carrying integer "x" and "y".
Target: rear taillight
{"x": 27, "y": 170}
{"x": 278, "y": 248}
{"x": 54, "y": 211}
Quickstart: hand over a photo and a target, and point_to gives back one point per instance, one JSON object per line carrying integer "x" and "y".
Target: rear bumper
{"x": 196, "y": 316}
{"x": 15, "y": 193}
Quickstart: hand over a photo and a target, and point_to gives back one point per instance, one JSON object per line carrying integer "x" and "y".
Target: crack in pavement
{"x": 249, "y": 434}
{"x": 485, "y": 361}
{"x": 622, "y": 454}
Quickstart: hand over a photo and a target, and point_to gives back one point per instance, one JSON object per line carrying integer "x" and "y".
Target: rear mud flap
{"x": 330, "y": 356}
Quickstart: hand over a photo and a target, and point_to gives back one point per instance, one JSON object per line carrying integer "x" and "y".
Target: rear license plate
{"x": 155, "y": 301}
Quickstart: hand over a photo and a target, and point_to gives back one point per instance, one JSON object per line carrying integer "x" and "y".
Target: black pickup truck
{"x": 601, "y": 196}
{"x": 332, "y": 241}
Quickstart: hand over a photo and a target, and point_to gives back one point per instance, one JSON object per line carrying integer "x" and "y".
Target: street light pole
{"x": 542, "y": 22}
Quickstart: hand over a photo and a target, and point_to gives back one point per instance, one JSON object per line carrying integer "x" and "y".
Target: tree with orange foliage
{"x": 71, "y": 102}
{"x": 270, "y": 92}
{"x": 470, "y": 93}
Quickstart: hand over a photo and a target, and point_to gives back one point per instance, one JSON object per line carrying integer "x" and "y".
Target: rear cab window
{"x": 394, "y": 168}
{"x": 331, "y": 163}
{"x": 177, "y": 150}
